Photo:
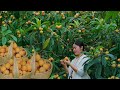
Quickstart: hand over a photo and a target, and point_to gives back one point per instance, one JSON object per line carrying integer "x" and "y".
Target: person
{"x": 76, "y": 66}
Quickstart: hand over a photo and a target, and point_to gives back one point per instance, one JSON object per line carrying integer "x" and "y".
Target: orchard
{"x": 43, "y": 38}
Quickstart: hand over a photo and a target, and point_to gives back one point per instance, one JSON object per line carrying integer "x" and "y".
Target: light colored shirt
{"x": 79, "y": 64}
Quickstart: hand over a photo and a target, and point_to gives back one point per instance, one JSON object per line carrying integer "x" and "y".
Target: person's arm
{"x": 66, "y": 69}
{"x": 78, "y": 70}
{"x": 72, "y": 66}
{"x": 64, "y": 66}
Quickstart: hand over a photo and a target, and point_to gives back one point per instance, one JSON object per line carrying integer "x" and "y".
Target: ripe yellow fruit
{"x": 116, "y": 30}
{"x": 40, "y": 28}
{"x": 28, "y": 62}
{"x": 46, "y": 66}
{"x": 41, "y": 62}
{"x": 0, "y": 16}
{"x": 18, "y": 56}
{"x": 29, "y": 68}
{"x": 113, "y": 65}
{"x": 14, "y": 45}
{"x": 24, "y": 68}
{"x": 64, "y": 75}
{"x": 42, "y": 69}
{"x": 43, "y": 13}
{"x": 11, "y": 62}
{"x": 19, "y": 61}
{"x": 6, "y": 72}
{"x": 101, "y": 49}
{"x": 21, "y": 53}
{"x": 118, "y": 60}
{"x": 24, "y": 72}
{"x": 9, "y": 21}
{"x": 3, "y": 68}
{"x": 17, "y": 49}
{"x": 118, "y": 65}
{"x": 58, "y": 26}
{"x": 23, "y": 63}
{"x": 7, "y": 66}
{"x": 41, "y": 32}
{"x": 11, "y": 68}
{"x": 106, "y": 58}
{"x": 37, "y": 57}
{"x": 18, "y": 32}
{"x": 107, "y": 52}
{"x": 50, "y": 59}
{"x": 66, "y": 58}
{"x": 20, "y": 73}
{"x": 2, "y": 50}
{"x": 112, "y": 77}
{"x": 2, "y": 54}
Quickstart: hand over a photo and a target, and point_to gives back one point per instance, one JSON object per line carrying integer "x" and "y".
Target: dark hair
{"x": 79, "y": 43}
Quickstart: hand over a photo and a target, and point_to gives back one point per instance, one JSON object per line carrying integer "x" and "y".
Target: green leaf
{"x": 4, "y": 40}
{"x": 14, "y": 38}
{"x": 103, "y": 61}
{"x": 112, "y": 56}
{"x": 4, "y": 28}
{"x": 112, "y": 49}
{"x": 7, "y": 32}
{"x": 38, "y": 22}
{"x": 45, "y": 44}
{"x": 108, "y": 15}
{"x": 90, "y": 63}
{"x": 98, "y": 71}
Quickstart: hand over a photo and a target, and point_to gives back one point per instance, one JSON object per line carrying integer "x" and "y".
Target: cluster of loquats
{"x": 41, "y": 65}
{"x": 6, "y": 69}
{"x": 43, "y": 68}
{"x": 18, "y": 52}
{"x": 24, "y": 67}
{"x": 3, "y": 51}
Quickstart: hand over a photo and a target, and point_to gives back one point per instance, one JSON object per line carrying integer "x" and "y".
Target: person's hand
{"x": 67, "y": 61}
{"x": 63, "y": 63}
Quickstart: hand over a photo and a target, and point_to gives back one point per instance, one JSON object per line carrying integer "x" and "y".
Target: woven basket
{"x": 26, "y": 76}
{"x": 2, "y": 76}
{"x": 44, "y": 75}
{"x": 7, "y": 57}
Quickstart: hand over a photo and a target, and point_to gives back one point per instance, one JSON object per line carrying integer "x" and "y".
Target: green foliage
{"x": 98, "y": 29}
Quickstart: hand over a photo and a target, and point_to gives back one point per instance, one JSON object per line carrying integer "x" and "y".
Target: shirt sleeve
{"x": 81, "y": 68}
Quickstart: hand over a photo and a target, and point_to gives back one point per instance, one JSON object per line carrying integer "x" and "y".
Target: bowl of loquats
{"x": 42, "y": 68}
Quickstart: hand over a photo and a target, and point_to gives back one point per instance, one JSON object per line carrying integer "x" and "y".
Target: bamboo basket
{"x": 44, "y": 75}
{"x": 7, "y": 57}
{"x": 26, "y": 76}
{"x": 3, "y": 76}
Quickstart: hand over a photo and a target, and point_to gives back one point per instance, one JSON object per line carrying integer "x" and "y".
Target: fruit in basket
{"x": 3, "y": 51}
{"x": 17, "y": 51}
{"x": 42, "y": 66}
{"x": 7, "y": 68}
